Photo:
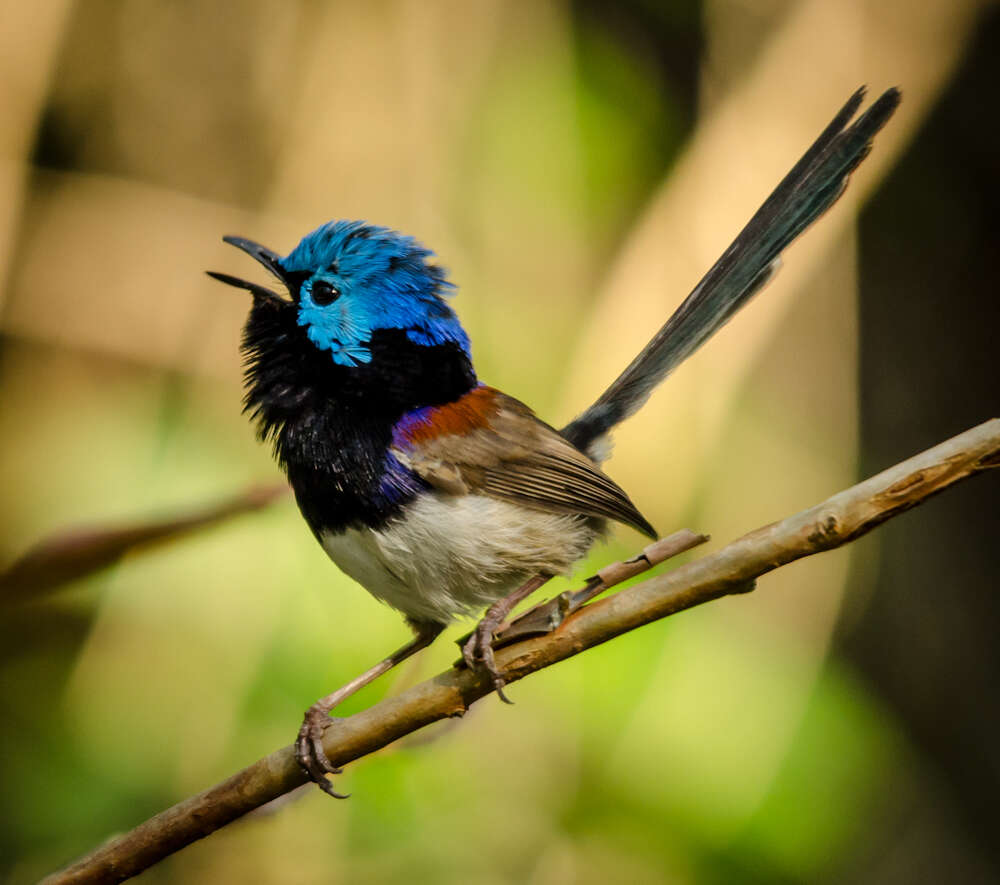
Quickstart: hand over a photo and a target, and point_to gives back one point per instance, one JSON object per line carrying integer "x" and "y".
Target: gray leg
{"x": 309, "y": 750}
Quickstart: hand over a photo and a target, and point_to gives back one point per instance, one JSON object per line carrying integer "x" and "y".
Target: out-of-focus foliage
{"x": 521, "y": 141}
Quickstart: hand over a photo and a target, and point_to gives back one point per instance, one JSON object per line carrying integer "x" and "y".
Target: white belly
{"x": 455, "y": 555}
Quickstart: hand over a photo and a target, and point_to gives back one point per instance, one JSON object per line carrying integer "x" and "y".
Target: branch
{"x": 837, "y": 521}
{"x": 75, "y": 553}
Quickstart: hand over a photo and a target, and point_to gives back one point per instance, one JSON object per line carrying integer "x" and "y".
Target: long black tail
{"x": 813, "y": 186}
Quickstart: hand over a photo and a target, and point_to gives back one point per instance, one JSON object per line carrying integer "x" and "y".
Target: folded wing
{"x": 489, "y": 443}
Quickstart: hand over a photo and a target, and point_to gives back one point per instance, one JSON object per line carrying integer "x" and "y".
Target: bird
{"x": 439, "y": 494}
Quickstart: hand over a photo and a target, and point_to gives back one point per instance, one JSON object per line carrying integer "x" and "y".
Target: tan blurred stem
{"x": 836, "y": 521}
{"x": 29, "y": 46}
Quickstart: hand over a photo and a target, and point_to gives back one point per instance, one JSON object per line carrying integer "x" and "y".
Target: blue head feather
{"x": 384, "y": 281}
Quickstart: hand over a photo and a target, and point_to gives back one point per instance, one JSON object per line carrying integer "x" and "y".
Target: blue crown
{"x": 355, "y": 279}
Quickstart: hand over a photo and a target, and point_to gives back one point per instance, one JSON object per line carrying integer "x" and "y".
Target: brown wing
{"x": 491, "y": 443}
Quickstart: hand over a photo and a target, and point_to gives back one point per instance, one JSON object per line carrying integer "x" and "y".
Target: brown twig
{"x": 75, "y": 553}
{"x": 837, "y": 521}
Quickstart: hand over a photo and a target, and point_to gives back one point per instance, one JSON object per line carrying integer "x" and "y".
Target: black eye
{"x": 324, "y": 293}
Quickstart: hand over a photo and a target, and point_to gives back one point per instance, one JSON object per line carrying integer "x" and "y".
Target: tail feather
{"x": 813, "y": 185}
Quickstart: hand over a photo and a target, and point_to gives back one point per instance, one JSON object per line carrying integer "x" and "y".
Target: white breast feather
{"x": 455, "y": 555}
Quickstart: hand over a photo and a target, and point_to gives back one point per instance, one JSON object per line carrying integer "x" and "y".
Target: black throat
{"x": 331, "y": 425}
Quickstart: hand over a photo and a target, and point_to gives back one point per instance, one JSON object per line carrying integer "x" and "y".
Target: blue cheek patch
{"x": 343, "y": 354}
{"x": 332, "y": 328}
{"x": 345, "y": 327}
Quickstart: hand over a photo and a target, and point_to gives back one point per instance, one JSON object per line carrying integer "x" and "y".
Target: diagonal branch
{"x": 836, "y": 521}
{"x": 74, "y": 553}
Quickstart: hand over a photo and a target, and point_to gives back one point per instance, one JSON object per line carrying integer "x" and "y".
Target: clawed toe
{"x": 470, "y": 651}
{"x": 478, "y": 655}
{"x": 311, "y": 756}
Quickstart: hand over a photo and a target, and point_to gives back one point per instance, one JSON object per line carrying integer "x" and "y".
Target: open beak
{"x": 265, "y": 256}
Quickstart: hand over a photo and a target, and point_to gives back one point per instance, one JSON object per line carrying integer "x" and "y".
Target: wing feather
{"x": 490, "y": 443}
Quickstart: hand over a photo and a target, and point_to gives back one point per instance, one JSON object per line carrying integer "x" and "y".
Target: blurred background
{"x": 577, "y": 166}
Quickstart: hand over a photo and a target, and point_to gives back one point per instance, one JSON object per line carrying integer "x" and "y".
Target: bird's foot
{"x": 548, "y": 616}
{"x": 478, "y": 655}
{"x": 477, "y": 652}
{"x": 309, "y": 752}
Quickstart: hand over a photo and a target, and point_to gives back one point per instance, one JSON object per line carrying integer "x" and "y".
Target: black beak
{"x": 270, "y": 260}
